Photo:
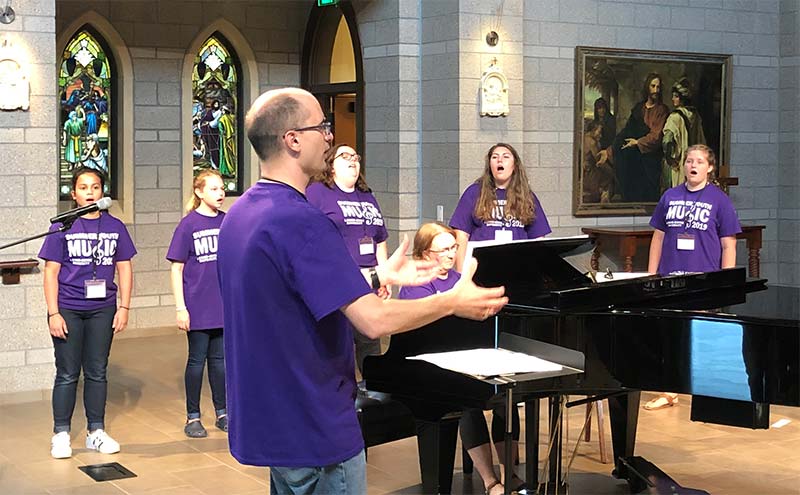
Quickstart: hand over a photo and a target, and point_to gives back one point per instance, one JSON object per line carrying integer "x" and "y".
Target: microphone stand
{"x": 64, "y": 226}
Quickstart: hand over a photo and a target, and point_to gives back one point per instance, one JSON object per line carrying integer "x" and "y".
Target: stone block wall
{"x": 389, "y": 33}
{"x": 27, "y": 160}
{"x": 788, "y": 176}
{"x": 439, "y": 97}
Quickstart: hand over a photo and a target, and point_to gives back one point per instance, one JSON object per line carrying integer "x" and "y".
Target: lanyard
{"x": 96, "y": 250}
{"x": 357, "y": 195}
{"x": 688, "y": 216}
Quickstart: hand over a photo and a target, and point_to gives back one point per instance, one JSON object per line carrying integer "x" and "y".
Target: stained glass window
{"x": 86, "y": 88}
{"x": 215, "y": 112}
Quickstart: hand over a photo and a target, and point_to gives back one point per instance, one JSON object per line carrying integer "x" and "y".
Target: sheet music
{"x": 488, "y": 363}
{"x": 601, "y": 277}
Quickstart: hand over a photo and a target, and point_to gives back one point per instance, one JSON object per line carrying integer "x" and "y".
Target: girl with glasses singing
{"x": 342, "y": 193}
{"x": 499, "y": 205}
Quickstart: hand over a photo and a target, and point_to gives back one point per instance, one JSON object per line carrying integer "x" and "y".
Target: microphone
{"x": 70, "y": 216}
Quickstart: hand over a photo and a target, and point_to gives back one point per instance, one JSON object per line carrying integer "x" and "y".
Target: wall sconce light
{"x": 15, "y": 89}
{"x": 492, "y": 38}
{"x": 7, "y": 16}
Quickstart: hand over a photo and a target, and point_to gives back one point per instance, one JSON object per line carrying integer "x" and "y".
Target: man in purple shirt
{"x": 288, "y": 284}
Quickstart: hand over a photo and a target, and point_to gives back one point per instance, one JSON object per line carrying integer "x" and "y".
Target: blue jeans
{"x": 346, "y": 478}
{"x": 86, "y": 347}
{"x": 205, "y": 345}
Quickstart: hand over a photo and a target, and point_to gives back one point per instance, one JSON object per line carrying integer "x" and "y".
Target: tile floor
{"x": 146, "y": 410}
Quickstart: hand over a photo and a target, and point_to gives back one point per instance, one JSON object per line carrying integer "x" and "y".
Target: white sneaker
{"x": 59, "y": 446}
{"x": 101, "y": 442}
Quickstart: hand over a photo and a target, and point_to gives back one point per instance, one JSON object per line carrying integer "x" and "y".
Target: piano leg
{"x": 624, "y": 412}
{"x": 532, "y": 442}
{"x": 436, "y": 444}
{"x": 553, "y": 481}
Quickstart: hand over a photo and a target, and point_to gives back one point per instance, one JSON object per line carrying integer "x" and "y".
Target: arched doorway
{"x": 332, "y": 70}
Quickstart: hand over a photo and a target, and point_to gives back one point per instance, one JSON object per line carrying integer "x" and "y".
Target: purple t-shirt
{"x": 89, "y": 245}
{"x": 435, "y": 286}
{"x": 464, "y": 218}
{"x": 707, "y": 215}
{"x": 194, "y": 243}
{"x": 284, "y": 273}
{"x": 356, "y": 214}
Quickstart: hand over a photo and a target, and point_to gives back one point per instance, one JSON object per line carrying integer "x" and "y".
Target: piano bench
{"x": 383, "y": 419}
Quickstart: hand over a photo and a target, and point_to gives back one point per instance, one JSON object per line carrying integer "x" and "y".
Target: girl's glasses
{"x": 350, "y": 157}
{"x": 454, "y": 247}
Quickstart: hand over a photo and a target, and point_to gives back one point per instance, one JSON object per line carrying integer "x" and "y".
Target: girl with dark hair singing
{"x": 83, "y": 314}
{"x": 499, "y": 205}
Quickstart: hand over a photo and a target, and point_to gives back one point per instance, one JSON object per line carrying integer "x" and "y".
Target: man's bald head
{"x": 271, "y": 115}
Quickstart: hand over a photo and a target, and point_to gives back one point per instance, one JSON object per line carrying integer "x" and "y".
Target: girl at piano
{"x": 437, "y": 242}
{"x": 198, "y": 301}
{"x": 434, "y": 242}
{"x": 695, "y": 230}
{"x": 499, "y": 205}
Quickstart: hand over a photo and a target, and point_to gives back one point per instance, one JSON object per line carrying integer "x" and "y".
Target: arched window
{"x": 217, "y": 113}
{"x": 87, "y": 83}
{"x": 332, "y": 69}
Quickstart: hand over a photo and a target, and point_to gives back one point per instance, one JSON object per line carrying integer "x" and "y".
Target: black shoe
{"x": 222, "y": 423}
{"x": 195, "y": 429}
{"x": 521, "y": 489}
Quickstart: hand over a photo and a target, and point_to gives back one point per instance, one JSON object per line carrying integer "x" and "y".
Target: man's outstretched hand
{"x": 473, "y": 302}
{"x": 402, "y": 270}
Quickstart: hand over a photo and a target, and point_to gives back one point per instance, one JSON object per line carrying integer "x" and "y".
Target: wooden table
{"x": 631, "y": 237}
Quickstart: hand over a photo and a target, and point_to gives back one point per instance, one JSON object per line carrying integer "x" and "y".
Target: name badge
{"x": 504, "y": 235}
{"x": 95, "y": 289}
{"x": 685, "y": 242}
{"x": 366, "y": 246}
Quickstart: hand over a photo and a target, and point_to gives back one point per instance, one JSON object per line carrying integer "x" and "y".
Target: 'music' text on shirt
{"x": 205, "y": 245}
{"x": 83, "y": 246}
{"x": 360, "y": 213}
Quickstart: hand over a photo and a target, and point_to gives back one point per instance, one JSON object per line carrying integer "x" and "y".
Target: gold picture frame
{"x": 628, "y": 140}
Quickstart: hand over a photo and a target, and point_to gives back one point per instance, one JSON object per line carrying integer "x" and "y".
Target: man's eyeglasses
{"x": 453, "y": 248}
{"x": 350, "y": 157}
{"x": 324, "y": 127}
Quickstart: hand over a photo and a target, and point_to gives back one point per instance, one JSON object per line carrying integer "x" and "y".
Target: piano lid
{"x": 530, "y": 267}
{"x": 773, "y": 304}
{"x": 539, "y": 275}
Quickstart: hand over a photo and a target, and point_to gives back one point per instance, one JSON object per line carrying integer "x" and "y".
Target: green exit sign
{"x": 325, "y": 3}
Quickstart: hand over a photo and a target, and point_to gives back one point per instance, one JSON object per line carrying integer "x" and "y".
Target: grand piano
{"x": 731, "y": 342}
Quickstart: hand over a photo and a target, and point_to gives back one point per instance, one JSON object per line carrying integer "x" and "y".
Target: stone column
{"x": 28, "y": 162}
